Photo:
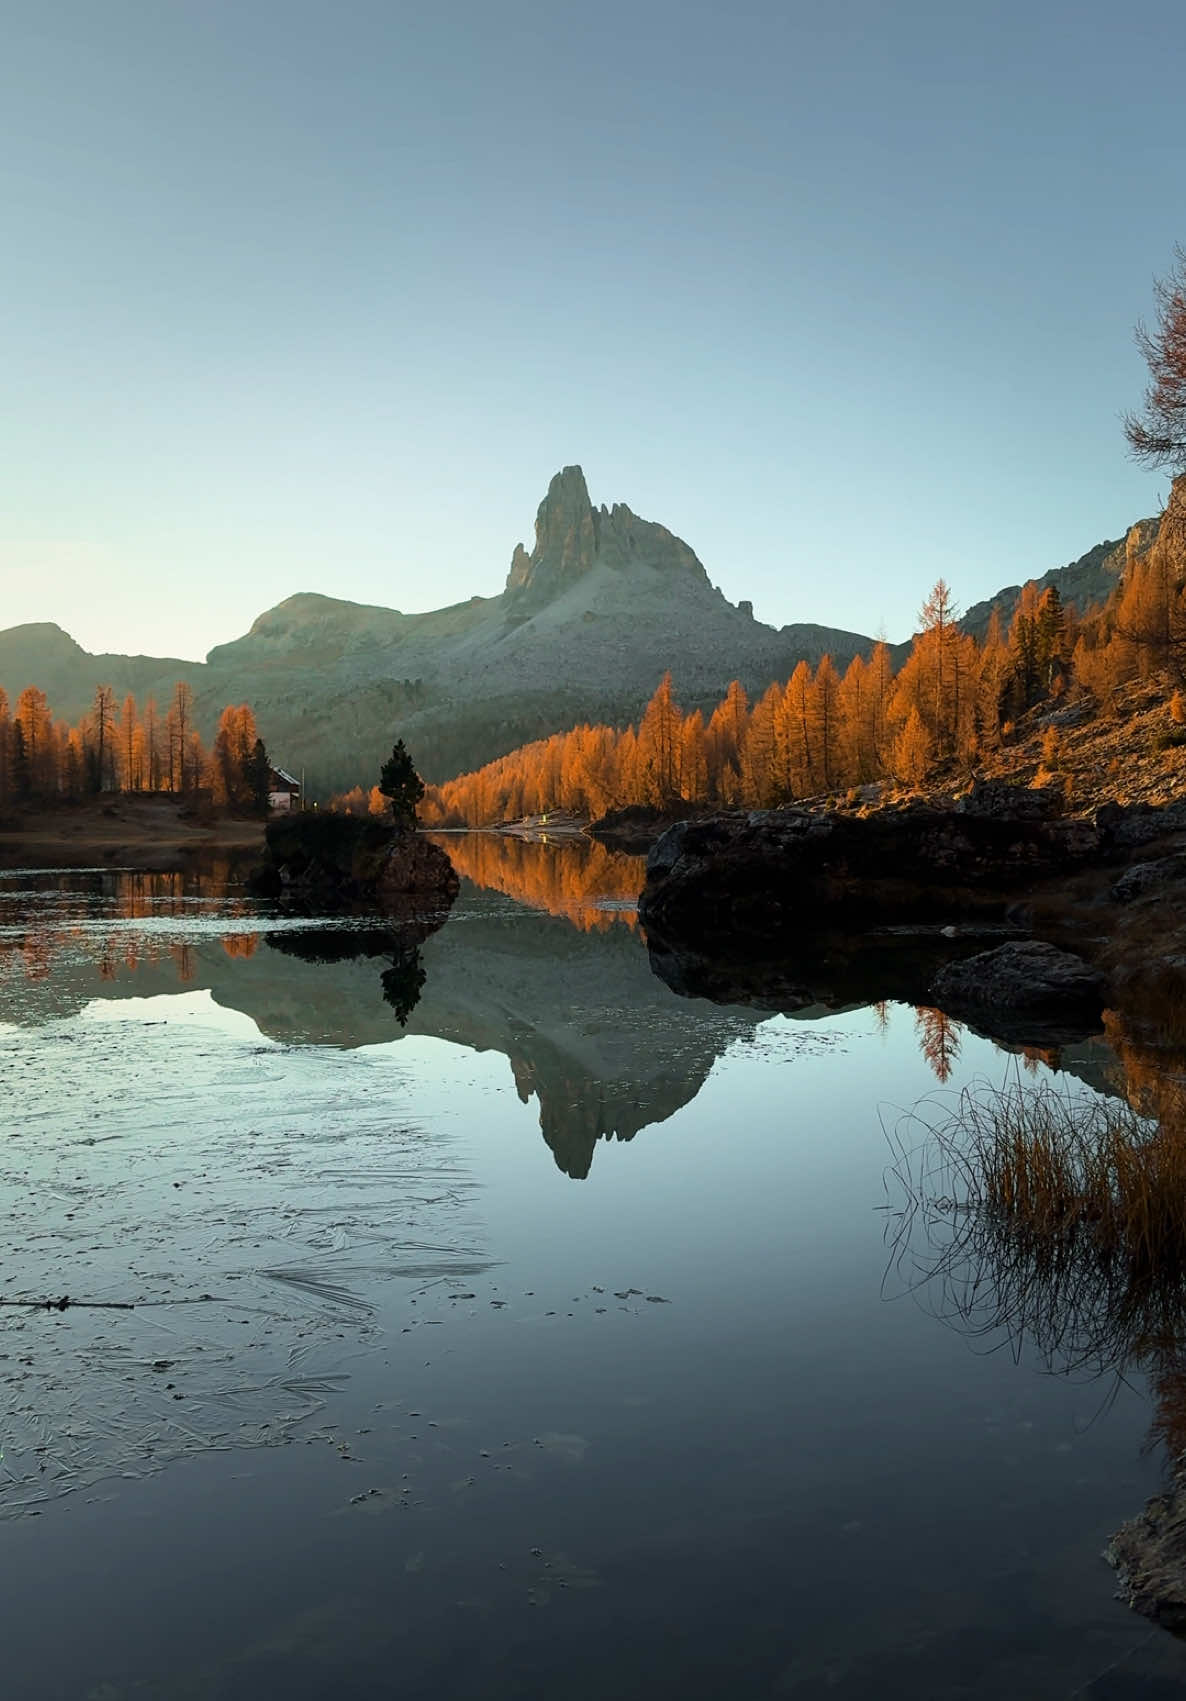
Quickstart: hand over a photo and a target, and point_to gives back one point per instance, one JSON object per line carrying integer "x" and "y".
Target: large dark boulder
{"x": 1149, "y": 879}
{"x": 1026, "y": 990}
{"x": 637, "y": 826}
{"x": 770, "y": 875}
{"x": 1131, "y": 826}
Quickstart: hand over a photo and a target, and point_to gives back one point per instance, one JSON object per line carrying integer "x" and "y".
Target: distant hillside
{"x": 44, "y": 655}
{"x": 1081, "y": 584}
{"x": 583, "y": 629}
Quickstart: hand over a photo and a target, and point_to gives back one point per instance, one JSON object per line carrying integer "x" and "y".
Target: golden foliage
{"x": 580, "y": 879}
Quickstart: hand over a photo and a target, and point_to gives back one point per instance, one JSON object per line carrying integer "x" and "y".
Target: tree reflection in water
{"x": 575, "y": 877}
{"x": 401, "y": 981}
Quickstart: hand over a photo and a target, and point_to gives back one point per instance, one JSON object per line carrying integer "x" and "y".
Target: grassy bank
{"x": 150, "y": 831}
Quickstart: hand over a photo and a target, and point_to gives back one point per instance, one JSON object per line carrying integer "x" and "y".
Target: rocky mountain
{"x": 42, "y": 654}
{"x": 1081, "y": 584}
{"x": 584, "y": 627}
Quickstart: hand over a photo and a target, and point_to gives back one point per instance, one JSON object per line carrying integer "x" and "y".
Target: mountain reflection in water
{"x": 557, "y": 979}
{"x": 689, "y": 1362}
{"x": 566, "y": 995}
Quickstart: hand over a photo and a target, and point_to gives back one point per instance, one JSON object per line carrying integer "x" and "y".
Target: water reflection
{"x": 772, "y": 1408}
{"x": 557, "y": 981}
{"x": 401, "y": 982}
{"x": 576, "y": 877}
{"x": 1055, "y": 1223}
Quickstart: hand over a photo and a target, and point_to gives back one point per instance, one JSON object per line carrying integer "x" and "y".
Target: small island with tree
{"x": 341, "y": 861}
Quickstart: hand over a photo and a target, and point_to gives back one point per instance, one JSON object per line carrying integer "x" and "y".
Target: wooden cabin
{"x": 284, "y": 789}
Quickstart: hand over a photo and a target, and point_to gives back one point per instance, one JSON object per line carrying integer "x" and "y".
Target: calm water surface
{"x": 547, "y": 1342}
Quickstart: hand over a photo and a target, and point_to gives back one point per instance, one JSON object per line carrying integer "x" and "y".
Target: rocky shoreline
{"x": 902, "y": 901}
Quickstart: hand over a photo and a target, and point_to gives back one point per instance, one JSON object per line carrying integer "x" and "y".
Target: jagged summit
{"x": 572, "y": 538}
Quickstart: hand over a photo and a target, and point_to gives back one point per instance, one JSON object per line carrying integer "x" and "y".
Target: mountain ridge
{"x": 586, "y": 623}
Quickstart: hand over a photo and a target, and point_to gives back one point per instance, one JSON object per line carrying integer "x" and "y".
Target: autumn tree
{"x": 5, "y": 749}
{"x": 913, "y": 750}
{"x": 793, "y": 732}
{"x": 992, "y": 679}
{"x": 130, "y": 746}
{"x": 22, "y": 775}
{"x": 856, "y": 740}
{"x": 659, "y": 746}
{"x": 693, "y": 759}
{"x": 759, "y": 757}
{"x": 37, "y": 753}
{"x": 723, "y": 738}
{"x": 179, "y": 728}
{"x": 1149, "y": 628}
{"x": 880, "y": 683}
{"x": 824, "y": 717}
{"x": 235, "y": 775}
{"x": 153, "y": 770}
{"x": 102, "y": 776}
{"x": 1157, "y": 435}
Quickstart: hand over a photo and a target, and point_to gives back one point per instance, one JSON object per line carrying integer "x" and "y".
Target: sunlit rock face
{"x": 572, "y": 538}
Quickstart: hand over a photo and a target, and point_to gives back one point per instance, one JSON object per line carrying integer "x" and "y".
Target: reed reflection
{"x": 1054, "y": 1222}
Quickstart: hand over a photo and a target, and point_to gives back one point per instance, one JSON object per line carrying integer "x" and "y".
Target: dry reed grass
{"x": 1049, "y": 1217}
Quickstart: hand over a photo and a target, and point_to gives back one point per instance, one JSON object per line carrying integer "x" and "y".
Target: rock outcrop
{"x": 332, "y": 863}
{"x": 1149, "y": 879}
{"x": 1149, "y": 1555}
{"x": 1081, "y": 584}
{"x": 1025, "y": 990}
{"x": 774, "y": 875}
{"x": 572, "y": 538}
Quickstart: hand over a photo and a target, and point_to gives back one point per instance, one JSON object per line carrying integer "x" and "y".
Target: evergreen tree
{"x": 21, "y": 775}
{"x": 259, "y": 777}
{"x": 401, "y": 784}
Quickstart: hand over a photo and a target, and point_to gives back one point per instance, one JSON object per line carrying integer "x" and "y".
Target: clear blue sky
{"x": 299, "y": 295}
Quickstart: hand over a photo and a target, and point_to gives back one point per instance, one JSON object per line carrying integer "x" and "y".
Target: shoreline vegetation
{"x": 150, "y": 831}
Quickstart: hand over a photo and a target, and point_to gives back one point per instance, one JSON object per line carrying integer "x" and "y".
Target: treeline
{"x": 953, "y": 701}
{"x": 130, "y": 749}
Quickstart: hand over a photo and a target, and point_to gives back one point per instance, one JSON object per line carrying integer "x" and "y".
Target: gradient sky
{"x": 310, "y": 296}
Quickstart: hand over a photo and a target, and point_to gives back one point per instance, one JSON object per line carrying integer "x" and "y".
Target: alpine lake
{"x": 465, "y": 1314}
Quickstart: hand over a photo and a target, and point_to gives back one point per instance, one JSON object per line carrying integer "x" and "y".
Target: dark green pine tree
{"x": 22, "y": 778}
{"x": 259, "y": 777}
{"x": 401, "y": 784}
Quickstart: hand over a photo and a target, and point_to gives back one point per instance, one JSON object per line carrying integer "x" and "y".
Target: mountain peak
{"x": 565, "y": 539}
{"x": 572, "y": 537}
{"x": 40, "y": 641}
